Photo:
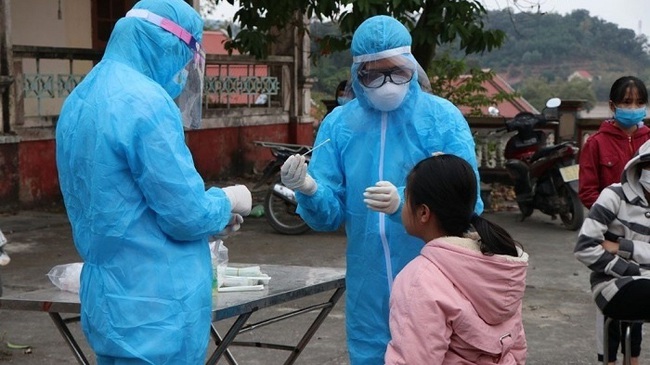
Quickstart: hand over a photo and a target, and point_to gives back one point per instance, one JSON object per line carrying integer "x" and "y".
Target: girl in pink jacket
{"x": 460, "y": 300}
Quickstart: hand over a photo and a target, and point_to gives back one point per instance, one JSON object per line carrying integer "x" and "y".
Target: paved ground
{"x": 558, "y": 311}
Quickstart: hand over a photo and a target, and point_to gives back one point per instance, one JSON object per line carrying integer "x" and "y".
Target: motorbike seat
{"x": 545, "y": 151}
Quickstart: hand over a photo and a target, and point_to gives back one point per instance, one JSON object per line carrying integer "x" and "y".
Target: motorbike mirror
{"x": 553, "y": 102}
{"x": 493, "y": 111}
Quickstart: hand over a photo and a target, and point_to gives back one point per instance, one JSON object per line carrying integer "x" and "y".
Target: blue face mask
{"x": 175, "y": 86}
{"x": 629, "y": 117}
{"x": 342, "y": 100}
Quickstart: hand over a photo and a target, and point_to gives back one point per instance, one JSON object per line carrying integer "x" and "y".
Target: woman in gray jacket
{"x": 614, "y": 243}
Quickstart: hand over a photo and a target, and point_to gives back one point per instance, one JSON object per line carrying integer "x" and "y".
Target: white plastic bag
{"x": 219, "y": 255}
{"x": 67, "y": 276}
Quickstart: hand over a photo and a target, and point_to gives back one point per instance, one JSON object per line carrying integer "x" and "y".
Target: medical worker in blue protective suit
{"x": 358, "y": 178}
{"x": 140, "y": 213}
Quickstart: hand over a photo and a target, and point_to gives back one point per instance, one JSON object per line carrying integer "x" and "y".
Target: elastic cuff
{"x": 625, "y": 248}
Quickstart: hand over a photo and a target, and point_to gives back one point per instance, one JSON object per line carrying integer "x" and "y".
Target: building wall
{"x": 72, "y": 30}
{"x": 216, "y": 156}
{"x": 9, "y": 173}
{"x": 28, "y": 174}
{"x": 32, "y": 19}
{"x": 39, "y": 182}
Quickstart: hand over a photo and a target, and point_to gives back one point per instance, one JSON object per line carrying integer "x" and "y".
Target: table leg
{"x": 65, "y": 332}
{"x": 314, "y": 326}
{"x": 228, "y": 339}
{"x": 218, "y": 341}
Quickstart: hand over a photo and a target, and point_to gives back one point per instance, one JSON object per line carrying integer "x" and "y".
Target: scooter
{"x": 545, "y": 177}
{"x": 280, "y": 202}
{"x": 4, "y": 257}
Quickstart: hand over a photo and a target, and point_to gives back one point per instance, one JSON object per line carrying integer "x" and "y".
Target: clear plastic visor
{"x": 191, "y": 97}
{"x": 191, "y": 76}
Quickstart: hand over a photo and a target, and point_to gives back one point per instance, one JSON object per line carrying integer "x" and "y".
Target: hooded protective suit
{"x": 368, "y": 145}
{"x": 139, "y": 210}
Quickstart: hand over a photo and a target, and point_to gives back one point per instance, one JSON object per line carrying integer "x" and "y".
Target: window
{"x": 105, "y": 13}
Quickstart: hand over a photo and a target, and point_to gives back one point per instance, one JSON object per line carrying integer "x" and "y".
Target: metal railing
{"x": 231, "y": 81}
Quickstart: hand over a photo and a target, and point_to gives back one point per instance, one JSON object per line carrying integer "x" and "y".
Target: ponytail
{"x": 494, "y": 239}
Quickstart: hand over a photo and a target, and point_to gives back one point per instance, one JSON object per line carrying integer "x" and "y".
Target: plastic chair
{"x": 628, "y": 345}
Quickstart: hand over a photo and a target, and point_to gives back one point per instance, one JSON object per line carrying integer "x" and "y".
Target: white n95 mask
{"x": 388, "y": 97}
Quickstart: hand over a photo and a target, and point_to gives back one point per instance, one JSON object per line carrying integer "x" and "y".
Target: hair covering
{"x": 131, "y": 41}
{"x": 139, "y": 210}
{"x": 378, "y": 34}
{"x": 383, "y": 37}
{"x": 368, "y": 146}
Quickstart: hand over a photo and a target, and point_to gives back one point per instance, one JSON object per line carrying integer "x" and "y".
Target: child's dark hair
{"x": 447, "y": 185}
{"x": 341, "y": 87}
{"x": 620, "y": 86}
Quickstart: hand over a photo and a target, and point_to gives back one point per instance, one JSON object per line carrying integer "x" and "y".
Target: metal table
{"x": 287, "y": 283}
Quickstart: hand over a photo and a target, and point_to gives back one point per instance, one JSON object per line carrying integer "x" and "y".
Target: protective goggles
{"x": 190, "y": 78}
{"x": 377, "y": 78}
{"x": 396, "y": 65}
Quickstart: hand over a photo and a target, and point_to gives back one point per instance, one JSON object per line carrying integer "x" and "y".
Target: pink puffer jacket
{"x": 454, "y": 305}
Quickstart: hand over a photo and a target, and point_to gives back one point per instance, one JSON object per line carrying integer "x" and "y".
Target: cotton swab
{"x": 315, "y": 147}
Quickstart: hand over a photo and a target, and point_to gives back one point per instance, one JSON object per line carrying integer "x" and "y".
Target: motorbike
{"x": 280, "y": 202}
{"x": 545, "y": 176}
{"x": 4, "y": 257}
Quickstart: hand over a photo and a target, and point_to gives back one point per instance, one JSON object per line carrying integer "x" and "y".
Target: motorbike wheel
{"x": 282, "y": 215}
{"x": 574, "y": 214}
{"x": 526, "y": 210}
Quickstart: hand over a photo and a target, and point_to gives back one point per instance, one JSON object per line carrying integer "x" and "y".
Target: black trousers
{"x": 631, "y": 302}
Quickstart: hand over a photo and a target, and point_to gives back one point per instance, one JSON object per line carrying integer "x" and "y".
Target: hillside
{"x": 541, "y": 46}
{"x": 553, "y": 46}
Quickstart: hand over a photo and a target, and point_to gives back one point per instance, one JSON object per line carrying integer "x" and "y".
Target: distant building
{"x": 580, "y": 74}
{"x": 507, "y": 108}
{"x": 489, "y": 146}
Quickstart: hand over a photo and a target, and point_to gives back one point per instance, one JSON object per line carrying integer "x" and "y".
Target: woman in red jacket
{"x": 605, "y": 153}
{"x": 602, "y": 159}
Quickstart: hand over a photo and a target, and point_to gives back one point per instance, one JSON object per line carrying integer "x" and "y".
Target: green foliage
{"x": 331, "y": 68}
{"x": 259, "y": 20}
{"x": 554, "y": 46}
{"x": 431, "y": 22}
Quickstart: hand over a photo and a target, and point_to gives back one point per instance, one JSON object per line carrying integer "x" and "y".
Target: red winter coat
{"x": 603, "y": 157}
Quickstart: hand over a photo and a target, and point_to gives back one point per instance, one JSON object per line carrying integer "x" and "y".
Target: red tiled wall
{"x": 39, "y": 182}
{"x": 231, "y": 151}
{"x": 9, "y": 172}
{"x": 29, "y": 174}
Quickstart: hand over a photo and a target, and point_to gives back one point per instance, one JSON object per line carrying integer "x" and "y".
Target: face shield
{"x": 395, "y": 65}
{"x": 187, "y": 83}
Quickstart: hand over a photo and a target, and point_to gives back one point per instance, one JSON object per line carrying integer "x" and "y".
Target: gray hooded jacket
{"x": 621, "y": 214}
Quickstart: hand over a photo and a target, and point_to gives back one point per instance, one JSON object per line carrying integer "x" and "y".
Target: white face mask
{"x": 644, "y": 179}
{"x": 388, "y": 97}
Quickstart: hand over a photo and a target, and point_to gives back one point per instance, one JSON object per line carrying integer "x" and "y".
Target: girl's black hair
{"x": 341, "y": 87}
{"x": 620, "y": 86}
{"x": 447, "y": 185}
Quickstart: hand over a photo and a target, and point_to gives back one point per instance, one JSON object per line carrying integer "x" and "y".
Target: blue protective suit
{"x": 368, "y": 146}
{"x": 139, "y": 210}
